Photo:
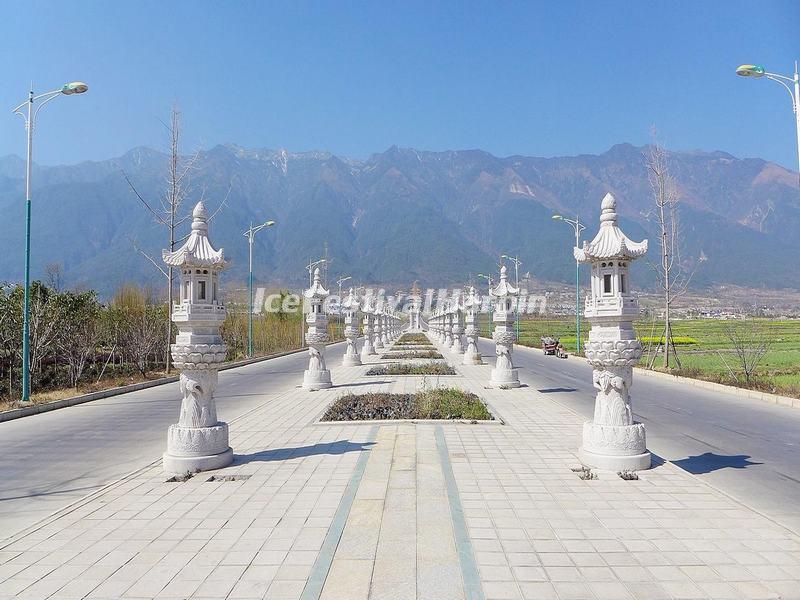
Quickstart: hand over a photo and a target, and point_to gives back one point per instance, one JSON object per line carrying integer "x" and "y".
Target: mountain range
{"x": 402, "y": 215}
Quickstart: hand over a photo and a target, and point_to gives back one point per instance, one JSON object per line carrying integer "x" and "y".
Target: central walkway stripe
{"x": 322, "y": 565}
{"x": 469, "y": 569}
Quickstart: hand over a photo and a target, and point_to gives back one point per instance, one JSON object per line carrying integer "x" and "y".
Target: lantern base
{"x": 604, "y": 462}
{"x": 316, "y": 380}
{"x": 472, "y": 358}
{"x": 504, "y": 378}
{"x": 351, "y": 360}
{"x": 614, "y": 447}
{"x": 180, "y": 465}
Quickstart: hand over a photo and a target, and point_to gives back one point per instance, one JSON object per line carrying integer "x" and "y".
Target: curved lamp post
{"x": 759, "y": 71}
{"x": 75, "y": 87}
{"x": 250, "y": 234}
{"x": 578, "y": 226}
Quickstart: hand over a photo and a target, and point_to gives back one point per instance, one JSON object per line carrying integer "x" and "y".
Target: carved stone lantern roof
{"x": 368, "y": 305}
{"x": 351, "y": 302}
{"x": 316, "y": 291}
{"x": 197, "y": 250}
{"x": 504, "y": 289}
{"x": 472, "y": 299}
{"x": 609, "y": 242}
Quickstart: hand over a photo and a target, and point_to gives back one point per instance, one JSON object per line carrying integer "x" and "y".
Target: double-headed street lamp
{"x": 75, "y": 87}
{"x": 758, "y": 71}
{"x": 250, "y": 234}
{"x": 578, "y": 226}
{"x": 517, "y": 262}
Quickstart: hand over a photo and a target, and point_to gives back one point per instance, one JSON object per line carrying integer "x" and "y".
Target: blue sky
{"x": 544, "y": 79}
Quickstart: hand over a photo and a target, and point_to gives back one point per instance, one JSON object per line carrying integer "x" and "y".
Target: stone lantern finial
{"x": 612, "y": 440}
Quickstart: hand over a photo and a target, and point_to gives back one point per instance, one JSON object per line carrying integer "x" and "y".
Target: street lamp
{"x": 75, "y": 87}
{"x": 517, "y": 262}
{"x": 578, "y": 226}
{"x": 758, "y": 71}
{"x": 250, "y": 234}
{"x": 488, "y": 279}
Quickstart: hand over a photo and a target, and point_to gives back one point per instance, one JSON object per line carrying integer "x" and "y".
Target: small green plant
{"x": 585, "y": 473}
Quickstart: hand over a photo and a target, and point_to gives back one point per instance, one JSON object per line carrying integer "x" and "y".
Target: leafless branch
{"x": 148, "y": 257}
{"x": 143, "y": 201}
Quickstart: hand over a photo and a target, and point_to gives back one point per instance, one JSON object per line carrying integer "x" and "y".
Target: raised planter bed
{"x": 432, "y": 368}
{"x": 413, "y": 354}
{"x": 414, "y": 338}
{"x": 437, "y": 403}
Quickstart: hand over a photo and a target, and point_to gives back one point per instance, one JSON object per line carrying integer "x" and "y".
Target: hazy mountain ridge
{"x": 403, "y": 214}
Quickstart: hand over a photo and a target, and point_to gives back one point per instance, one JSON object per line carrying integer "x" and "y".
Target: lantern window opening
{"x": 201, "y": 294}
{"x": 607, "y": 283}
{"x": 622, "y": 283}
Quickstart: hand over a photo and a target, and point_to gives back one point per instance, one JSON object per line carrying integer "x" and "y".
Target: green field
{"x": 704, "y": 348}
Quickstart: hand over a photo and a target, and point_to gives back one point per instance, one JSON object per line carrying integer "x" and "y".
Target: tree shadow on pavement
{"x": 708, "y": 462}
{"x": 557, "y": 390}
{"x": 360, "y": 383}
{"x": 338, "y": 447}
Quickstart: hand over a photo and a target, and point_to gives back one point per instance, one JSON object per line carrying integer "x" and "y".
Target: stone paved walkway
{"x": 403, "y": 510}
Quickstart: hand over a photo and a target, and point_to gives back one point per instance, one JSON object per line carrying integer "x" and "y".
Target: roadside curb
{"x": 709, "y": 385}
{"x": 26, "y": 411}
{"x": 728, "y": 389}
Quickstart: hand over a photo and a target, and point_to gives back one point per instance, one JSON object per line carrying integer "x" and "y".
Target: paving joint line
{"x": 322, "y": 565}
{"x": 466, "y": 557}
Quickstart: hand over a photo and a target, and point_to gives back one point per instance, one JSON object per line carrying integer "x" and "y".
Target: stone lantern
{"x": 472, "y": 305}
{"x": 457, "y": 310}
{"x": 377, "y": 332}
{"x": 612, "y": 440}
{"x": 367, "y": 309}
{"x": 414, "y": 322}
{"x": 505, "y": 297}
{"x": 351, "y": 358}
{"x": 447, "y": 322}
{"x": 386, "y": 324}
{"x": 198, "y": 441}
{"x": 317, "y": 376}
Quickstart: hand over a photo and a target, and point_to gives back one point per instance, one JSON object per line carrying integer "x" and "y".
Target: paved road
{"x": 749, "y": 449}
{"x": 50, "y": 460}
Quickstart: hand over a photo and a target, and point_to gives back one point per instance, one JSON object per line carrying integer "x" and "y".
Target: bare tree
{"x": 80, "y": 333}
{"x": 55, "y": 275}
{"x": 751, "y": 341}
{"x": 167, "y": 211}
{"x": 138, "y": 325}
{"x": 673, "y": 274}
